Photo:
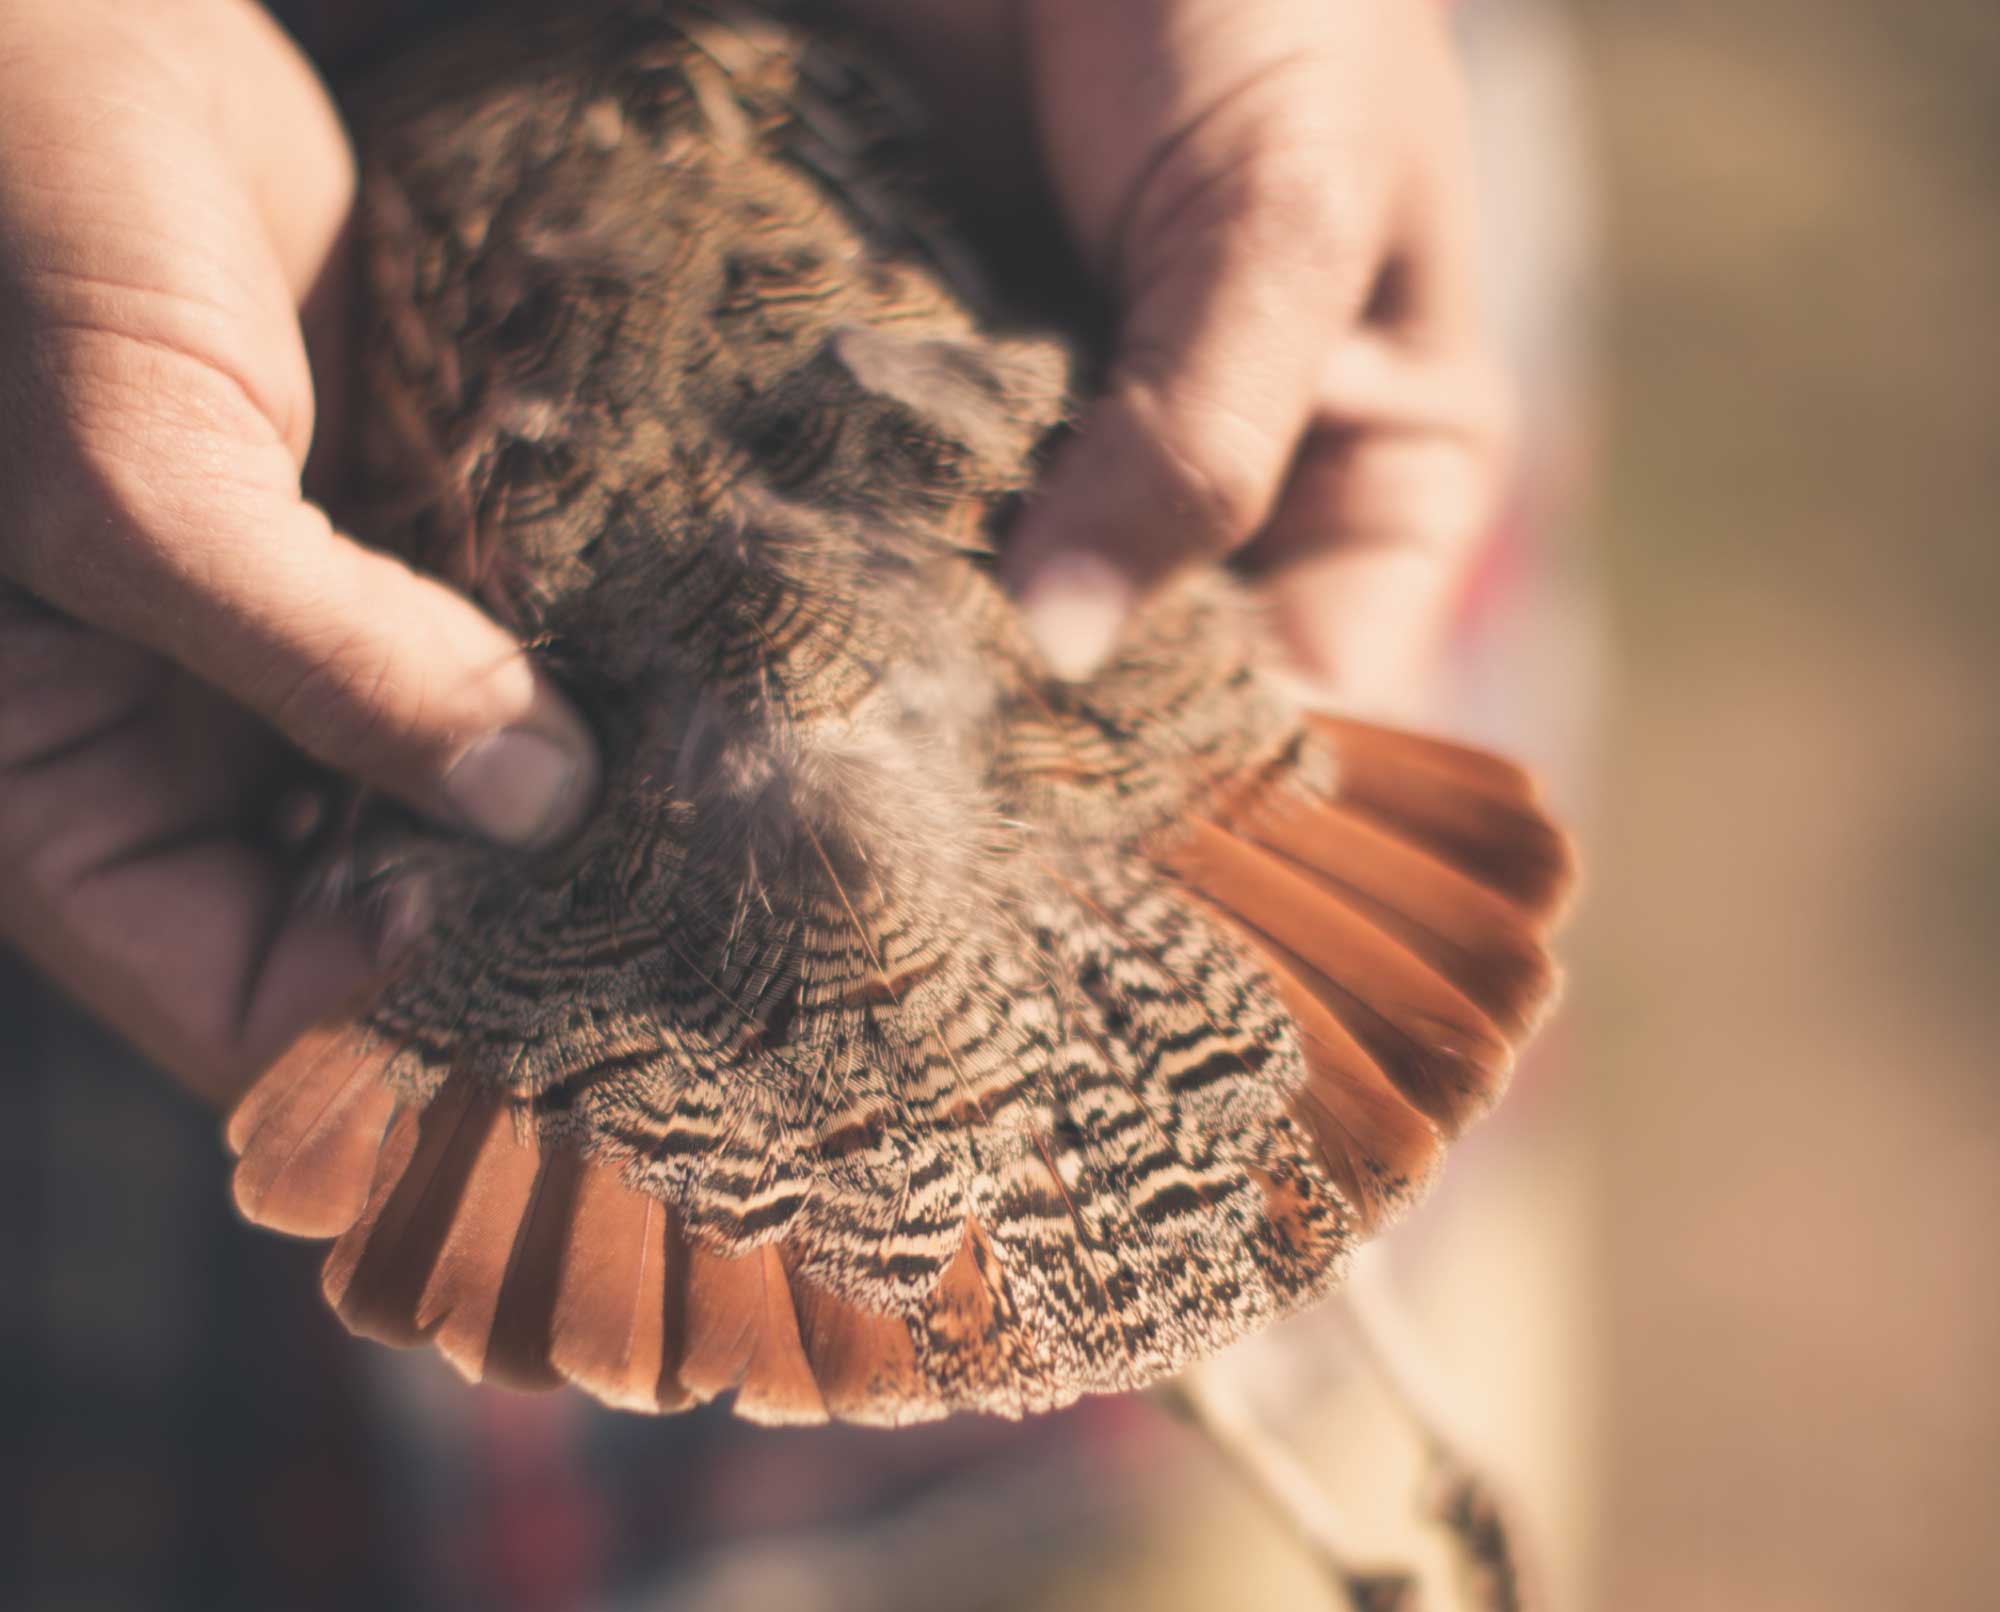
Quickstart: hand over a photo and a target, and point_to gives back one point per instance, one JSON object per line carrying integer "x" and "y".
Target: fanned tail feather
{"x": 1403, "y": 915}
{"x": 1400, "y": 915}
{"x": 1470, "y": 809}
{"x": 608, "y": 1328}
{"x": 308, "y": 1133}
{"x": 529, "y": 1266}
{"x": 888, "y": 1042}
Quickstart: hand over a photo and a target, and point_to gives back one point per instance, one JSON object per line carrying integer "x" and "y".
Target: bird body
{"x": 908, "y": 1030}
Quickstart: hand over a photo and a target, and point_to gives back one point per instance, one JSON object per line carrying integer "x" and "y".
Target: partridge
{"x": 908, "y": 1030}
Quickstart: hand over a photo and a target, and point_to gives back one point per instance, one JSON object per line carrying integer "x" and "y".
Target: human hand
{"x": 173, "y": 191}
{"x": 1276, "y": 197}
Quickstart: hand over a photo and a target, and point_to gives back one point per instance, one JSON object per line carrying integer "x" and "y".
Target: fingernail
{"x": 517, "y": 786}
{"x": 1073, "y": 607}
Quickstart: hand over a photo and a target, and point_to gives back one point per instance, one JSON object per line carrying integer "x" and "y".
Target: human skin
{"x": 1271, "y": 193}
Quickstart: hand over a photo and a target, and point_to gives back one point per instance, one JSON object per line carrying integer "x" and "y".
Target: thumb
{"x": 364, "y": 664}
{"x": 157, "y": 403}
{"x": 393, "y": 677}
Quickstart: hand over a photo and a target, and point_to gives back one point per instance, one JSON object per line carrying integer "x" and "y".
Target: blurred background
{"x": 1787, "y": 981}
{"x": 1719, "y": 1292}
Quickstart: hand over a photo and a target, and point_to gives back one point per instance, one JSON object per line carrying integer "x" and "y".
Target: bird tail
{"x": 1398, "y": 891}
{"x": 1402, "y": 906}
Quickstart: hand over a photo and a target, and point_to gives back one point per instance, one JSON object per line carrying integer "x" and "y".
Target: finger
{"x": 1246, "y": 248}
{"x": 165, "y": 763}
{"x": 125, "y": 792}
{"x": 1384, "y": 509}
{"x": 367, "y": 666}
{"x": 1372, "y": 542}
{"x": 1379, "y": 380}
{"x": 59, "y": 683}
{"x": 1365, "y": 559}
{"x": 197, "y": 954}
{"x": 1366, "y": 556}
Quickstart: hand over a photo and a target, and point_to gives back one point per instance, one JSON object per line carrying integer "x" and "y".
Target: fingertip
{"x": 529, "y": 784}
{"x": 530, "y": 770}
{"x": 1073, "y": 606}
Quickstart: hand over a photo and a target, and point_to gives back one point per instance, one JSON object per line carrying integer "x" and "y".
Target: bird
{"x": 909, "y": 1030}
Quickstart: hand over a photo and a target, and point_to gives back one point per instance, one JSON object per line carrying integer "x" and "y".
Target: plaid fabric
{"x": 183, "y": 1426}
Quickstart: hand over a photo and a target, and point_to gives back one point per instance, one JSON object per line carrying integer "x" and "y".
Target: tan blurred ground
{"x": 1791, "y": 995}
{"x": 1770, "y": 1188}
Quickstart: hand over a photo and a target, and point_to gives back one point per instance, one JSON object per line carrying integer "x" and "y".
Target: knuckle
{"x": 1276, "y": 209}
{"x": 60, "y": 688}
{"x": 1222, "y": 497}
{"x": 1290, "y": 198}
{"x": 57, "y": 819}
{"x": 50, "y": 849}
{"x": 344, "y": 705}
{"x": 1199, "y": 468}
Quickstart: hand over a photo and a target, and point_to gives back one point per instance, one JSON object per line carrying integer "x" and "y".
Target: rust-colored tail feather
{"x": 608, "y": 1326}
{"x": 381, "y": 1269}
{"x": 1445, "y": 1055}
{"x": 1405, "y": 921}
{"x": 1380, "y": 1150}
{"x": 1479, "y": 942}
{"x": 1402, "y": 922}
{"x": 865, "y": 1365}
{"x": 1473, "y": 811}
{"x": 743, "y": 1334}
{"x": 308, "y": 1133}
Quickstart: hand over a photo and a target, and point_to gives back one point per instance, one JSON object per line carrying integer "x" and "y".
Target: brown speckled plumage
{"x": 907, "y": 1031}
